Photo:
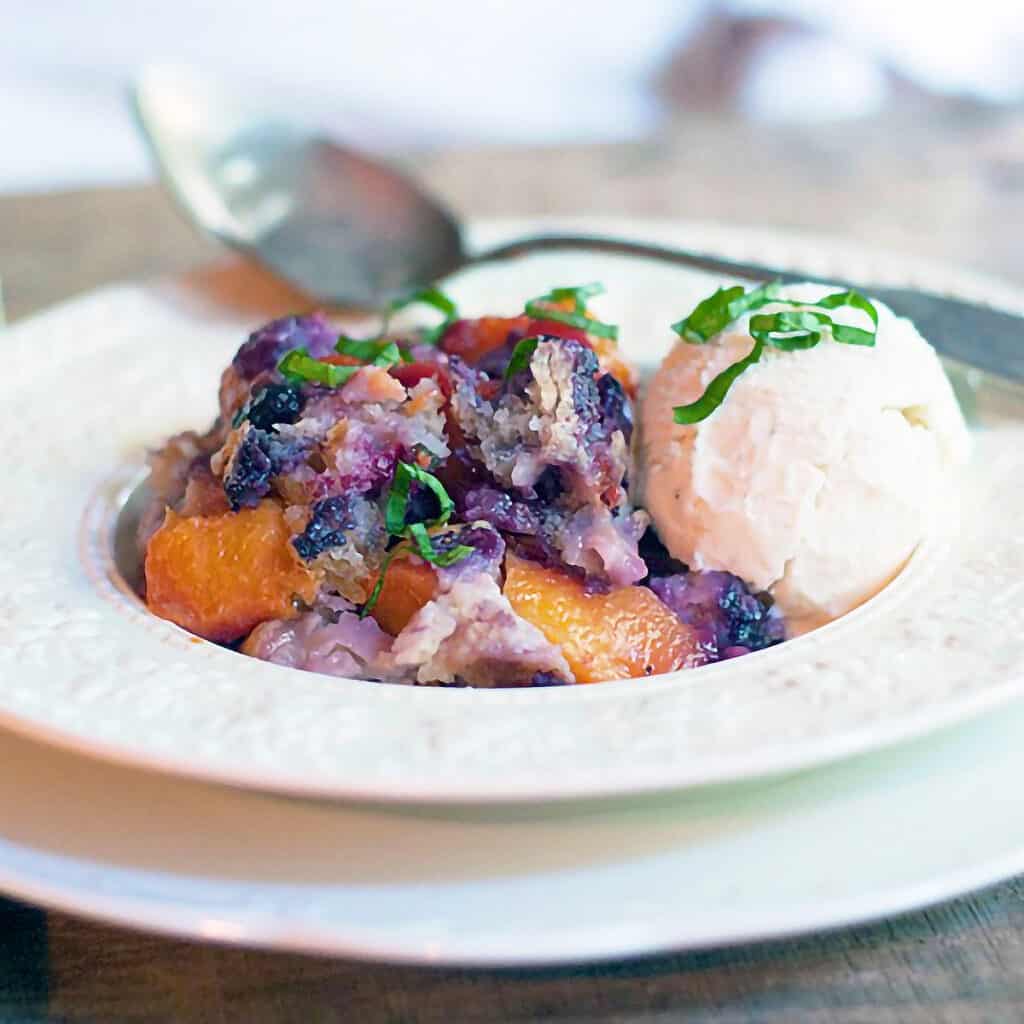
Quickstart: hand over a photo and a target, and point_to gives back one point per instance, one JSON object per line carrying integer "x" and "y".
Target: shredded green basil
{"x": 577, "y": 294}
{"x": 398, "y": 497}
{"x": 371, "y": 601}
{"x": 299, "y": 367}
{"x": 450, "y": 557}
{"x": 378, "y": 351}
{"x": 709, "y": 316}
{"x": 419, "y": 536}
{"x": 426, "y": 550}
{"x": 396, "y": 508}
{"x": 716, "y": 391}
{"x": 521, "y": 356}
{"x": 852, "y": 335}
{"x": 577, "y": 320}
{"x": 434, "y": 298}
{"x": 790, "y": 330}
{"x": 577, "y": 317}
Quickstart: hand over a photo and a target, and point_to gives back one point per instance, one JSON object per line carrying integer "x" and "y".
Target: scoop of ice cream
{"x": 819, "y": 473}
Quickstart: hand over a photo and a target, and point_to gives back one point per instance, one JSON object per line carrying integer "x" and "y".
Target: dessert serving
{"x": 466, "y": 504}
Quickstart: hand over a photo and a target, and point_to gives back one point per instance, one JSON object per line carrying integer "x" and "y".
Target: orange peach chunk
{"x": 625, "y": 633}
{"x": 219, "y": 576}
{"x": 408, "y": 585}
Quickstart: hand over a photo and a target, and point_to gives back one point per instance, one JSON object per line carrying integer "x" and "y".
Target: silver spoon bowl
{"x": 351, "y": 231}
{"x": 345, "y": 229}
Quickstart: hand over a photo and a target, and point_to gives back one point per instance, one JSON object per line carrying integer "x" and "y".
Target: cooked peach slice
{"x": 408, "y": 585}
{"x": 619, "y": 635}
{"x": 219, "y": 576}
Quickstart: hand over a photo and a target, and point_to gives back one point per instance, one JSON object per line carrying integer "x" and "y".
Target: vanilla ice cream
{"x": 818, "y": 474}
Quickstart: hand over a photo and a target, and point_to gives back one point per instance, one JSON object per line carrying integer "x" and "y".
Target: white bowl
{"x": 91, "y": 383}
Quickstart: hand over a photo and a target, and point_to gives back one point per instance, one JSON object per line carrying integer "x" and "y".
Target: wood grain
{"x": 952, "y": 188}
{"x": 962, "y": 963}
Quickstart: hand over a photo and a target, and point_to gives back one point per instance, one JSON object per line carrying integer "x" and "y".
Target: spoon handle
{"x": 645, "y": 250}
{"x": 981, "y": 336}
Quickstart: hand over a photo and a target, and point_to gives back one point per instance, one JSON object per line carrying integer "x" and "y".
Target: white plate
{"x": 91, "y": 383}
{"x": 867, "y": 838}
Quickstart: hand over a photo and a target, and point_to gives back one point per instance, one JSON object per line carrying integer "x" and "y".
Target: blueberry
{"x": 326, "y": 528}
{"x": 258, "y": 459}
{"x": 616, "y": 410}
{"x": 274, "y": 405}
{"x": 423, "y": 505}
{"x": 547, "y": 679}
{"x": 251, "y": 472}
{"x": 549, "y": 485}
{"x": 720, "y": 606}
{"x": 656, "y": 556}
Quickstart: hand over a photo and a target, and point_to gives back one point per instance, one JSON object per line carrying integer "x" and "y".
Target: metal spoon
{"x": 350, "y": 231}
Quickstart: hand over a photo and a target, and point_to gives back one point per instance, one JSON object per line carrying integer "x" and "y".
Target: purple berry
{"x": 326, "y": 528}
{"x": 263, "y": 349}
{"x": 547, "y": 679}
{"x": 251, "y": 470}
{"x": 730, "y": 620}
{"x": 257, "y": 460}
{"x": 499, "y": 509}
{"x": 488, "y": 548}
{"x": 274, "y": 405}
{"x": 423, "y": 506}
{"x": 616, "y": 410}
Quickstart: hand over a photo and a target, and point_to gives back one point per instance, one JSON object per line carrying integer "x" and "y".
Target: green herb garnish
{"x": 521, "y": 356}
{"x": 451, "y": 556}
{"x": 398, "y": 498}
{"x": 852, "y": 335}
{"x": 577, "y": 294}
{"x": 379, "y": 585}
{"x": 395, "y": 510}
{"x": 716, "y": 312}
{"x": 378, "y": 351}
{"x": 426, "y": 550}
{"x": 716, "y": 391}
{"x": 577, "y": 317}
{"x": 298, "y": 366}
{"x": 433, "y": 297}
{"x": 789, "y": 330}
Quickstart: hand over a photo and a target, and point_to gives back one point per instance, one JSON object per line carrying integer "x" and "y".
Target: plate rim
{"x": 151, "y": 917}
{"x": 232, "y": 925}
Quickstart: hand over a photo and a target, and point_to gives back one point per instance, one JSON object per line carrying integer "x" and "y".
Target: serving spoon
{"x": 351, "y": 231}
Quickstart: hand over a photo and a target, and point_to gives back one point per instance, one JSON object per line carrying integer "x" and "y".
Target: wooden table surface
{"x": 951, "y": 188}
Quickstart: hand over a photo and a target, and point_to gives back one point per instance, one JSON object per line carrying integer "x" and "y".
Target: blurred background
{"x": 897, "y": 123}
{"x": 395, "y": 75}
